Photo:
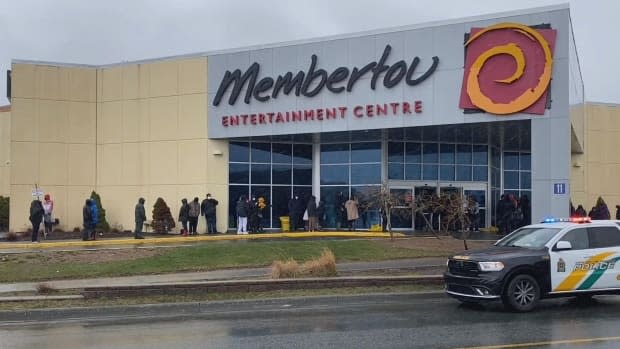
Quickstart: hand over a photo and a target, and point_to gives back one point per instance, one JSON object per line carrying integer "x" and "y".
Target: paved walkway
{"x": 226, "y": 274}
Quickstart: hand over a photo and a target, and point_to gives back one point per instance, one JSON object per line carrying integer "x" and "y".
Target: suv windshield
{"x": 528, "y": 237}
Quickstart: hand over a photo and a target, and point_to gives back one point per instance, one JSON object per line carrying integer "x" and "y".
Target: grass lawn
{"x": 47, "y": 265}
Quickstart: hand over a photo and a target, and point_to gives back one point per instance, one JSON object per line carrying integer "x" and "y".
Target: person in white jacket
{"x": 48, "y": 208}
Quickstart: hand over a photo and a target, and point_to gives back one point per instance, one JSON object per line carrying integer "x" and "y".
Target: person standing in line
{"x": 140, "y": 218}
{"x": 94, "y": 211}
{"x": 87, "y": 220}
{"x": 526, "y": 209}
{"x": 581, "y": 212}
{"x": 312, "y": 213}
{"x": 208, "y": 209}
{"x": 36, "y": 216}
{"x": 352, "y": 212}
{"x": 48, "y": 208}
{"x": 194, "y": 213}
{"x": 293, "y": 208}
{"x": 242, "y": 216}
{"x": 184, "y": 216}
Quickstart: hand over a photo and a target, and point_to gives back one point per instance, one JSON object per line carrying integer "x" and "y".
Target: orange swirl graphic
{"x": 528, "y": 97}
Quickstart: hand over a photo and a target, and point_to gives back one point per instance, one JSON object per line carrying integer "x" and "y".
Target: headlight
{"x": 490, "y": 266}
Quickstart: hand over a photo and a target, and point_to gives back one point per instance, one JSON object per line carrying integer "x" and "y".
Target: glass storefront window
{"x": 281, "y": 174}
{"x": 526, "y": 180}
{"x": 279, "y": 204}
{"x": 463, "y": 154}
{"x": 463, "y": 173}
{"x": 366, "y": 174}
{"x": 334, "y": 197}
{"x": 511, "y": 161}
{"x": 334, "y": 153}
{"x": 481, "y": 174}
{"x": 480, "y": 155}
{"x": 413, "y": 172}
{"x": 511, "y": 180}
{"x": 239, "y": 152}
{"x": 282, "y": 153}
{"x": 366, "y": 152}
{"x": 302, "y": 175}
{"x": 446, "y": 172}
{"x": 525, "y": 162}
{"x": 260, "y": 174}
{"x": 238, "y": 173}
{"x": 334, "y": 174}
{"x": 446, "y": 153}
{"x": 396, "y": 171}
{"x": 430, "y": 172}
{"x": 261, "y": 152}
{"x": 430, "y": 153}
{"x": 396, "y": 152}
{"x": 413, "y": 153}
{"x": 302, "y": 154}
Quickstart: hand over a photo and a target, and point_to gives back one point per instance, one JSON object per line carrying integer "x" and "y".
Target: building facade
{"x": 476, "y": 107}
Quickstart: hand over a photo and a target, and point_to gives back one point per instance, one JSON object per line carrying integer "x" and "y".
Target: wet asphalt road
{"x": 405, "y": 321}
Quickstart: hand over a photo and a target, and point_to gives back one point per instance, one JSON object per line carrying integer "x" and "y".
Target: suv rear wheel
{"x": 522, "y": 293}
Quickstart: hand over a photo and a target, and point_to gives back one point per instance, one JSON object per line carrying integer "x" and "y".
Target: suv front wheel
{"x": 522, "y": 293}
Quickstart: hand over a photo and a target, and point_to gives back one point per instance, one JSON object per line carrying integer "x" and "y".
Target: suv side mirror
{"x": 563, "y": 246}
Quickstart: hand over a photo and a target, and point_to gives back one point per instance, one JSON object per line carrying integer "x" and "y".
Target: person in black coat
{"x": 320, "y": 213}
{"x": 36, "y": 217}
{"x": 242, "y": 216}
{"x": 296, "y": 212}
{"x": 87, "y": 220}
{"x": 526, "y": 209}
{"x": 208, "y": 209}
{"x": 184, "y": 215}
{"x": 580, "y": 211}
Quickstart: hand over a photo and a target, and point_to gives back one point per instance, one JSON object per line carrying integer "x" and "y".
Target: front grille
{"x": 463, "y": 268}
{"x": 460, "y": 289}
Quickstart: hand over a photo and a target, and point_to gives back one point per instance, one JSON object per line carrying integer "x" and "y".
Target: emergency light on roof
{"x": 569, "y": 220}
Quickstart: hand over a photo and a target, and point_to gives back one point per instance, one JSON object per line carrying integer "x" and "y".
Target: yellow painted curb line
{"x": 185, "y": 239}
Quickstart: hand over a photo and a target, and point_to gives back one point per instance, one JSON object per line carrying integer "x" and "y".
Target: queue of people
{"x": 513, "y": 213}
{"x": 189, "y": 215}
{"x": 250, "y": 214}
{"x": 600, "y": 211}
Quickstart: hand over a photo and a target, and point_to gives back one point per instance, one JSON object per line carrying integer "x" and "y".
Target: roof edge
{"x": 493, "y": 15}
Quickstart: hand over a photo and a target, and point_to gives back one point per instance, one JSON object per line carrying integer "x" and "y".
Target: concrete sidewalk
{"x": 215, "y": 275}
{"x": 184, "y": 240}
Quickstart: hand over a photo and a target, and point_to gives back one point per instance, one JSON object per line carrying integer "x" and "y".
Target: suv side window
{"x": 578, "y": 238}
{"x": 601, "y": 237}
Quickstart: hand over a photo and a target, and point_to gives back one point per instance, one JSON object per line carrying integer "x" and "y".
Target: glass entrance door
{"x": 479, "y": 195}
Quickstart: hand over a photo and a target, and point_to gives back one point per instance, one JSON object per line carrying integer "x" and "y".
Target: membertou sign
{"x": 508, "y": 68}
{"x": 311, "y": 82}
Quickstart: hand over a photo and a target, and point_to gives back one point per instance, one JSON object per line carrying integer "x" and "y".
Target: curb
{"x": 257, "y": 285}
{"x": 177, "y": 240}
{"x": 214, "y": 309}
{"x": 39, "y": 298}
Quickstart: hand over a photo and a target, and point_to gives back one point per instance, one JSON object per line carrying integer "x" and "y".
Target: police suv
{"x": 556, "y": 258}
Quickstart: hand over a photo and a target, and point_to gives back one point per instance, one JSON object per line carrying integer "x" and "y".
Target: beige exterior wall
{"x": 53, "y": 124}
{"x": 152, "y": 139}
{"x": 129, "y": 131}
{"x": 595, "y": 171}
{"x": 5, "y": 151}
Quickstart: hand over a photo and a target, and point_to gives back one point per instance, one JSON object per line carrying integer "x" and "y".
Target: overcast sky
{"x": 110, "y": 31}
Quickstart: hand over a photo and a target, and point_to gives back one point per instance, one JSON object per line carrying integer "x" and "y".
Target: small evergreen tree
{"x": 103, "y": 223}
{"x": 162, "y": 217}
{"x": 4, "y": 213}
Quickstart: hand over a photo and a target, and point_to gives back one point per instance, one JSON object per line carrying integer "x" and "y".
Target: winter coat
{"x": 184, "y": 213}
{"x": 312, "y": 212}
{"x": 140, "y": 214}
{"x": 87, "y": 215}
{"x": 194, "y": 209}
{"x": 352, "y": 210}
{"x": 94, "y": 212}
{"x": 242, "y": 209}
{"x": 36, "y": 212}
{"x": 208, "y": 206}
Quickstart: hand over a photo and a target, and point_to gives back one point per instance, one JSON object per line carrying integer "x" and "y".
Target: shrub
{"x": 284, "y": 270}
{"x": 325, "y": 265}
{"x": 103, "y": 223}
{"x": 45, "y": 288}
{"x": 12, "y": 236}
{"x": 77, "y": 230}
{"x": 4, "y": 213}
{"x": 162, "y": 217}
